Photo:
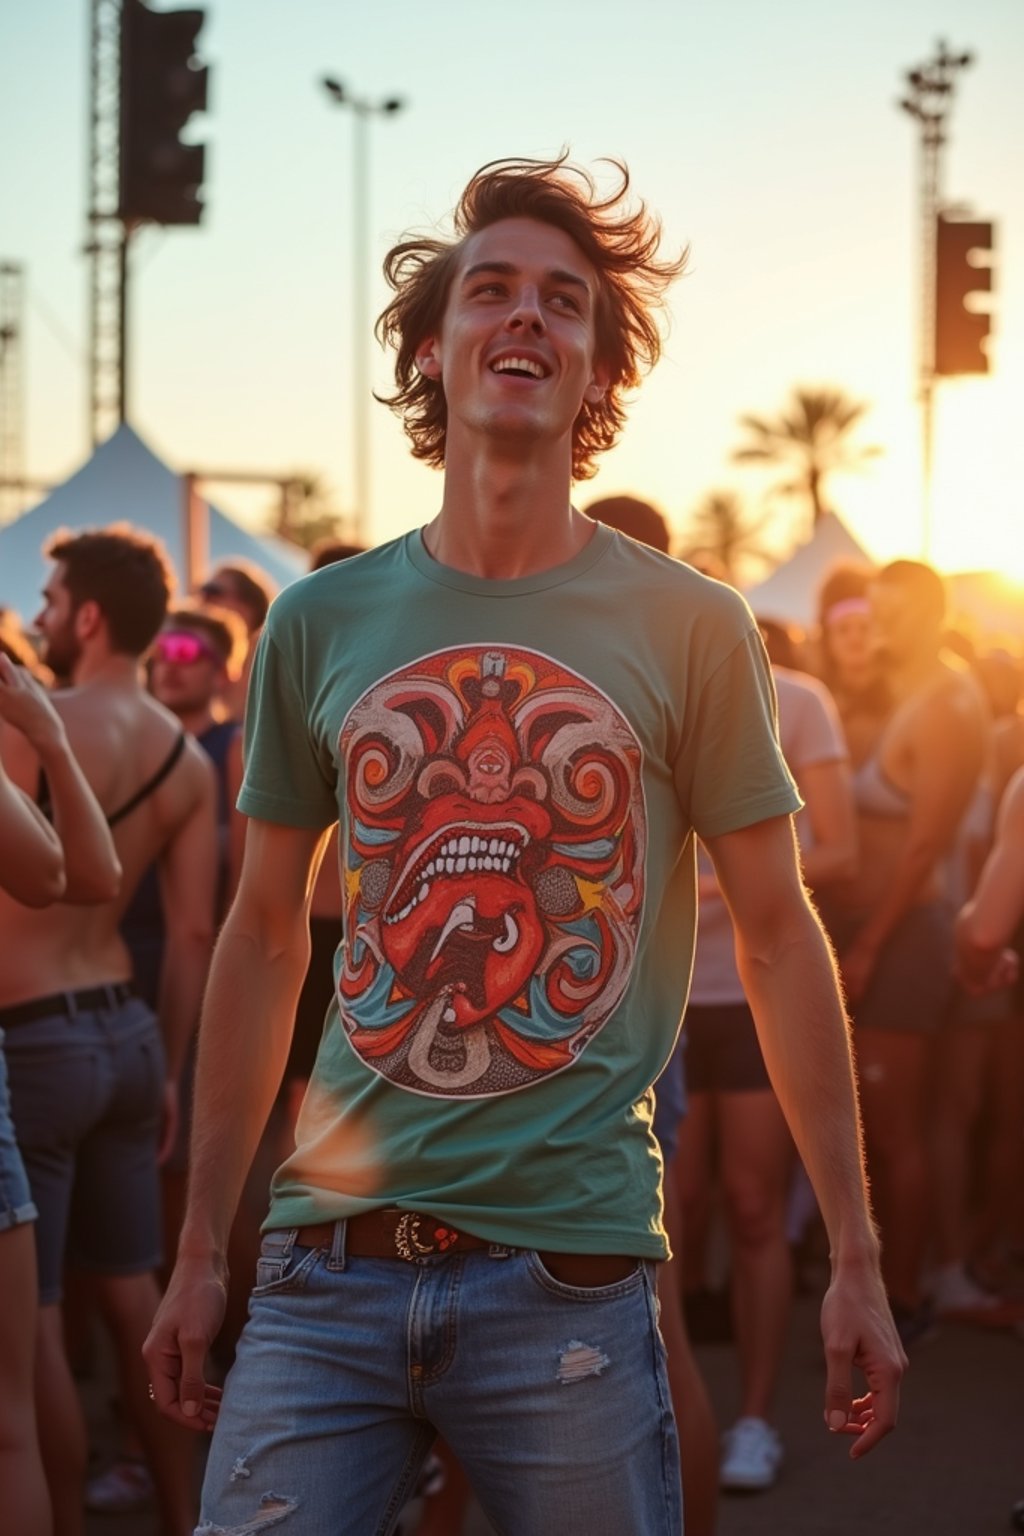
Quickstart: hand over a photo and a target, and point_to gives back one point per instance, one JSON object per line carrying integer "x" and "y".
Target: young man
{"x": 519, "y": 719}
{"x": 91, "y": 1077}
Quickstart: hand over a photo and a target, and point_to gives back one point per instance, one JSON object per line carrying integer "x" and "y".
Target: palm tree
{"x": 811, "y": 434}
{"x": 721, "y": 527}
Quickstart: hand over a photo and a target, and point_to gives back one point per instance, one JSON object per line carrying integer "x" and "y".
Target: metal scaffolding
{"x": 107, "y": 240}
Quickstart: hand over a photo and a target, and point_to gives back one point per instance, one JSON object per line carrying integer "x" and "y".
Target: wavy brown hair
{"x": 620, "y": 244}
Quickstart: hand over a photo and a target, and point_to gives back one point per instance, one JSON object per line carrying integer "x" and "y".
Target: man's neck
{"x": 501, "y": 518}
{"x": 110, "y": 668}
{"x": 913, "y": 671}
{"x": 196, "y": 721}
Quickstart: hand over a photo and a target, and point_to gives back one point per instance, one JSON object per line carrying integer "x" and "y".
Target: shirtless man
{"x": 892, "y": 923}
{"x": 92, "y": 1081}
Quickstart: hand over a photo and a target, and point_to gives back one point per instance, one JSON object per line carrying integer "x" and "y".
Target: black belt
{"x": 68, "y": 1003}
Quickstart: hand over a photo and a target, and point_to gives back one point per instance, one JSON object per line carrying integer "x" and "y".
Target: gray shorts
{"x": 86, "y": 1094}
{"x": 15, "y": 1196}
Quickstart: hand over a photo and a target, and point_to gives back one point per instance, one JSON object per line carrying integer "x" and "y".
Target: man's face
{"x": 900, "y": 625}
{"x": 55, "y": 621}
{"x": 516, "y": 349}
{"x": 222, "y": 590}
{"x": 186, "y": 672}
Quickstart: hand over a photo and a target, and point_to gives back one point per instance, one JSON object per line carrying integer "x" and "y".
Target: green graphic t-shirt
{"x": 517, "y": 769}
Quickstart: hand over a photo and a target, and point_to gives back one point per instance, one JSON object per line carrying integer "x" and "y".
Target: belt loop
{"x": 336, "y": 1258}
{"x": 70, "y": 1006}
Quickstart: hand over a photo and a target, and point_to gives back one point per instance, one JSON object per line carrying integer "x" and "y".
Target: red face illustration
{"x": 494, "y": 870}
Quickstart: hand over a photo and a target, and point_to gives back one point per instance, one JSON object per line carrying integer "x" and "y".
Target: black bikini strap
{"x": 150, "y": 784}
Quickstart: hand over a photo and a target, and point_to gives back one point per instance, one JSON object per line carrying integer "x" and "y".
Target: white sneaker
{"x": 955, "y": 1291}
{"x": 751, "y": 1456}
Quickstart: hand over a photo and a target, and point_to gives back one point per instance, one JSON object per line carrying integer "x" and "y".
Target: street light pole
{"x": 929, "y": 100}
{"x": 363, "y": 110}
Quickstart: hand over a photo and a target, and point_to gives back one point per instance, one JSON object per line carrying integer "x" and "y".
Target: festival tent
{"x": 790, "y": 593}
{"x": 125, "y": 481}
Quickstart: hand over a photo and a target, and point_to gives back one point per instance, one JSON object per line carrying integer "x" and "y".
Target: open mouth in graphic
{"x": 464, "y": 848}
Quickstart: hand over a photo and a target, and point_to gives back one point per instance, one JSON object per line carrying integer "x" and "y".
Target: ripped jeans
{"x": 553, "y": 1397}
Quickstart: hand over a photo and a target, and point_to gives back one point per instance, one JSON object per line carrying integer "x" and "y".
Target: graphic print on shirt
{"x": 494, "y": 870}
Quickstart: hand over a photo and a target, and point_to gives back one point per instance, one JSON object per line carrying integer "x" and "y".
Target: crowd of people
{"x": 536, "y": 746}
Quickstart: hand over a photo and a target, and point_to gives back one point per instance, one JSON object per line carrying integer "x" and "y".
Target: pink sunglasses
{"x": 183, "y": 648}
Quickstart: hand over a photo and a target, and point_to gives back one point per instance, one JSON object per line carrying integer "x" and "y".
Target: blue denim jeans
{"x": 554, "y": 1397}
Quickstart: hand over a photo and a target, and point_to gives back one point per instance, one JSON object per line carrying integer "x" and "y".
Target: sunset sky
{"x": 766, "y": 137}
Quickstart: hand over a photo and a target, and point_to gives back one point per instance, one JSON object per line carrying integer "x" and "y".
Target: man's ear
{"x": 428, "y": 360}
{"x": 88, "y": 618}
{"x": 599, "y": 383}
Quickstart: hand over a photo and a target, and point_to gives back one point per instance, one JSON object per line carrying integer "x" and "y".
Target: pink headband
{"x": 845, "y": 606}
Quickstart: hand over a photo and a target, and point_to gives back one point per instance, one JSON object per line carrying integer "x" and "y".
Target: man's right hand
{"x": 186, "y": 1324}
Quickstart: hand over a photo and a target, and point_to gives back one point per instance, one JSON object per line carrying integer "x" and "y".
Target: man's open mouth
{"x": 520, "y": 367}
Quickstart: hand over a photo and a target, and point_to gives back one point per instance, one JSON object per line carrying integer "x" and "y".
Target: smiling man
{"x": 519, "y": 720}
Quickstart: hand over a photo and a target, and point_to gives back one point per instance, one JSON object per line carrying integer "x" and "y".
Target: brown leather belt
{"x": 410, "y": 1235}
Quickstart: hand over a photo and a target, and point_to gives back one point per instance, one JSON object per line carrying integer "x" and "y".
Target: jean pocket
{"x": 542, "y": 1276}
{"x": 283, "y": 1264}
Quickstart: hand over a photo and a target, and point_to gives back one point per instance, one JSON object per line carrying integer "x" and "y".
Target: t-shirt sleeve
{"x": 730, "y": 772}
{"x": 810, "y": 728}
{"x": 288, "y": 777}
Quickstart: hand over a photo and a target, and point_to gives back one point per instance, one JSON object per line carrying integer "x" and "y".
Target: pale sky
{"x": 766, "y": 137}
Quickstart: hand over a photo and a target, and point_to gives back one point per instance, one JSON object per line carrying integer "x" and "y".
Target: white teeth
{"x": 461, "y": 855}
{"x": 520, "y": 364}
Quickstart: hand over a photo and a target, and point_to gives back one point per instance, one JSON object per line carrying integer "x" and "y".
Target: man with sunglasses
{"x": 93, "y": 1074}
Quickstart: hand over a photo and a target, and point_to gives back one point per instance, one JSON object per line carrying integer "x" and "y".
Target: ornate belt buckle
{"x": 410, "y": 1245}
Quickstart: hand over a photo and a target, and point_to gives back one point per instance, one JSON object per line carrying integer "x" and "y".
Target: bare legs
{"x": 892, "y": 1067}
{"x": 755, "y": 1157}
{"x": 26, "y": 1503}
{"x": 61, "y": 1425}
{"x": 757, "y": 1160}
{"x": 695, "y": 1419}
{"x": 128, "y": 1304}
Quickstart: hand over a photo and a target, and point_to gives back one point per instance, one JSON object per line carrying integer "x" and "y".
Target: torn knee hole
{"x": 273, "y": 1509}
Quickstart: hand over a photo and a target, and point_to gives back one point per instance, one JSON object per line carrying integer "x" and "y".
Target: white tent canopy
{"x": 125, "y": 481}
{"x": 790, "y": 593}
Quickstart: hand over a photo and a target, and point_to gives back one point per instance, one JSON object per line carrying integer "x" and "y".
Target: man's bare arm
{"x": 248, "y": 1014}
{"x": 986, "y": 923}
{"x": 92, "y": 871}
{"x": 789, "y": 977}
